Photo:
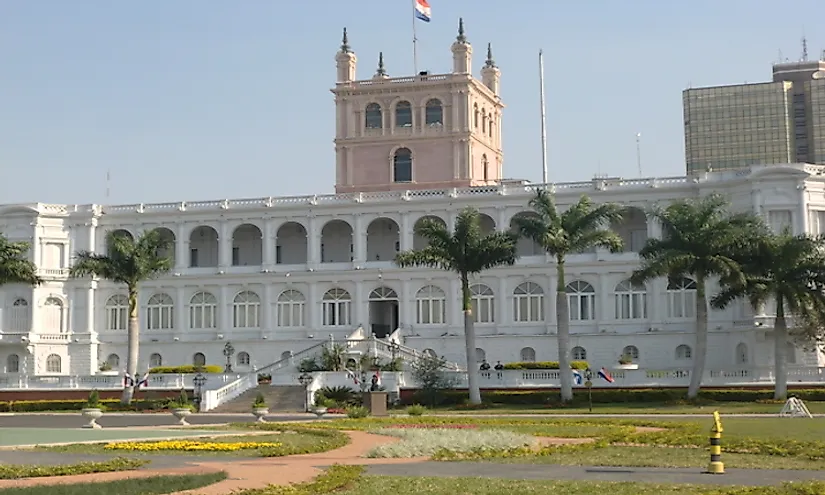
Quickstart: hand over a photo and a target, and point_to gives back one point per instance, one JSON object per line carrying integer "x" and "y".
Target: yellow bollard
{"x": 716, "y": 465}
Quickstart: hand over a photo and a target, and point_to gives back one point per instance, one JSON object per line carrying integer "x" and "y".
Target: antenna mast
{"x": 543, "y": 120}
{"x": 804, "y": 49}
{"x": 108, "y": 181}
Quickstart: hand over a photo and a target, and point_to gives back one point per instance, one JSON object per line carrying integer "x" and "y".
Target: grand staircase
{"x": 279, "y": 398}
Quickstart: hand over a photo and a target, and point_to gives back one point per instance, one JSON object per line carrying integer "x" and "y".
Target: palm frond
{"x": 15, "y": 267}
{"x": 128, "y": 261}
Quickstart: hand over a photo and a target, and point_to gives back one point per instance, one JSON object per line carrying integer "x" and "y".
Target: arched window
{"x": 54, "y": 364}
{"x": 742, "y": 353}
{"x": 53, "y": 312}
{"x": 475, "y": 115}
{"x": 434, "y": 112}
{"x": 155, "y": 360}
{"x": 485, "y": 167}
{"x": 528, "y": 302}
{"x": 483, "y": 302}
{"x": 242, "y": 359}
{"x": 430, "y": 353}
{"x": 246, "y": 310}
{"x": 159, "y": 312}
{"x": 683, "y": 352}
{"x": 290, "y": 309}
{"x": 681, "y": 298}
{"x": 373, "y": 117}
{"x": 402, "y": 163}
{"x": 581, "y": 299}
{"x": 632, "y": 351}
{"x": 117, "y": 312}
{"x": 20, "y": 317}
{"x": 403, "y": 114}
{"x": 203, "y": 309}
{"x": 199, "y": 359}
{"x": 13, "y": 363}
{"x": 484, "y": 120}
{"x": 528, "y": 354}
{"x": 490, "y": 126}
{"x": 336, "y": 308}
{"x": 631, "y": 301}
{"x": 431, "y": 303}
{"x": 113, "y": 360}
{"x": 480, "y": 355}
{"x": 579, "y": 353}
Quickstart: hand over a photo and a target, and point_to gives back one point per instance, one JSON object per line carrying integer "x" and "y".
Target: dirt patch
{"x": 551, "y": 441}
{"x": 649, "y": 429}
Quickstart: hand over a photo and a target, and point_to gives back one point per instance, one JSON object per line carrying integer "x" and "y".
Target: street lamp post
{"x": 588, "y": 377}
{"x": 305, "y": 379}
{"x": 228, "y": 351}
{"x": 199, "y": 382}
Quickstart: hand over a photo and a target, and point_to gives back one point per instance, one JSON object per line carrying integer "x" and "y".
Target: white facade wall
{"x": 274, "y": 275}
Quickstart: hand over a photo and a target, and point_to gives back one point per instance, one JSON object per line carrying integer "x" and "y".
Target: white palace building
{"x": 277, "y": 275}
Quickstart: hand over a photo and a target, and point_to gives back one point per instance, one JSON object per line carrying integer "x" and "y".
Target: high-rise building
{"x": 736, "y": 126}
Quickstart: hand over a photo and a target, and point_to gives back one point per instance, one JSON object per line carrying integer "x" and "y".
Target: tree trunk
{"x": 134, "y": 344}
{"x": 701, "y": 350}
{"x": 780, "y": 342}
{"x": 470, "y": 341}
{"x": 563, "y": 329}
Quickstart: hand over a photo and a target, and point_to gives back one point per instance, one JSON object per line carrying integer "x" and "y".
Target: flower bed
{"x": 426, "y": 426}
{"x": 417, "y": 442}
{"x": 188, "y": 446}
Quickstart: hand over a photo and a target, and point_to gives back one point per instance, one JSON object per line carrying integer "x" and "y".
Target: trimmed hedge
{"x": 544, "y": 365}
{"x": 173, "y": 370}
{"x": 77, "y": 405}
{"x": 619, "y": 396}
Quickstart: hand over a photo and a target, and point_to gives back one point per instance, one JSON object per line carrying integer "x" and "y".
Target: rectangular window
{"x": 236, "y": 256}
{"x": 193, "y": 257}
{"x": 278, "y": 255}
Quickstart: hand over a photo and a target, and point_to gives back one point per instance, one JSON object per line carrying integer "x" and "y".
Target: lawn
{"x": 136, "y": 486}
{"x": 634, "y": 408}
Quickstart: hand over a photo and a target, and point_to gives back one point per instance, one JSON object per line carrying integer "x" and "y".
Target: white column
{"x": 501, "y": 222}
{"x": 407, "y": 303}
{"x": 266, "y": 308}
{"x": 90, "y": 307}
{"x": 91, "y": 234}
{"x": 654, "y": 228}
{"x": 605, "y": 295}
{"x": 451, "y": 218}
{"x": 313, "y": 308}
{"x": 802, "y": 213}
{"x": 181, "y": 247}
{"x": 224, "y": 310}
{"x": 359, "y": 239}
{"x": 360, "y": 311}
{"x": 314, "y": 242}
{"x": 455, "y": 114}
{"x": 504, "y": 298}
{"x": 224, "y": 247}
{"x": 181, "y": 309}
{"x": 407, "y": 234}
{"x": 268, "y": 244}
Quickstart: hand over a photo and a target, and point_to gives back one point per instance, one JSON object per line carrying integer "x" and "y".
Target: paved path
{"x": 110, "y": 420}
{"x": 747, "y": 477}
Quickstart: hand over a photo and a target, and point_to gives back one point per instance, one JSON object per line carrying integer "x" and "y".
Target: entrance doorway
{"x": 383, "y": 312}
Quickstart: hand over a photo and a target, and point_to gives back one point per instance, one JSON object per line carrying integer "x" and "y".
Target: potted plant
{"x": 626, "y": 363}
{"x": 106, "y": 369}
{"x": 92, "y": 410}
{"x": 259, "y": 409}
{"x": 181, "y": 408}
{"x": 321, "y": 406}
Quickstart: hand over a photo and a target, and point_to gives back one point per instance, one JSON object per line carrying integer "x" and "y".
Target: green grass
{"x": 15, "y": 471}
{"x": 136, "y": 486}
{"x": 634, "y": 408}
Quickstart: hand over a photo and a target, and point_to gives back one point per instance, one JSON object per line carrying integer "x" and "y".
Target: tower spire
{"x": 804, "y": 49}
{"x": 490, "y": 62}
{"x": 381, "y": 70}
{"x": 345, "y": 48}
{"x": 461, "y": 38}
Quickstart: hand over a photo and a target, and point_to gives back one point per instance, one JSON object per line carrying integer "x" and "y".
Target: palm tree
{"x": 15, "y": 267}
{"x": 129, "y": 261}
{"x": 789, "y": 270}
{"x": 576, "y": 230}
{"x": 466, "y": 251}
{"x": 699, "y": 237}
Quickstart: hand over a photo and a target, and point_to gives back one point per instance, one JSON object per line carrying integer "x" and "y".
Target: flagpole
{"x": 415, "y": 42}
{"x": 543, "y": 120}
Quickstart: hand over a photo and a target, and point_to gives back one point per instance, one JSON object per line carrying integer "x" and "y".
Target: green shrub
{"x": 12, "y": 471}
{"x": 260, "y": 401}
{"x": 416, "y": 410}
{"x": 78, "y": 404}
{"x": 94, "y": 399}
{"x": 173, "y": 370}
{"x": 544, "y": 365}
{"x": 357, "y": 412}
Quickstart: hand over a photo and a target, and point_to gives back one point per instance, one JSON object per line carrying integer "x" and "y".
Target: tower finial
{"x": 490, "y": 62}
{"x": 381, "y": 70}
{"x": 345, "y": 43}
{"x": 804, "y": 49}
{"x": 461, "y": 38}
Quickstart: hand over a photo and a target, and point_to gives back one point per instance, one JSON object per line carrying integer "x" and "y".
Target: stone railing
{"x": 12, "y": 381}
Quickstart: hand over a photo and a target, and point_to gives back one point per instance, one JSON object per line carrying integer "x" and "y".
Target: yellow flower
{"x": 188, "y": 446}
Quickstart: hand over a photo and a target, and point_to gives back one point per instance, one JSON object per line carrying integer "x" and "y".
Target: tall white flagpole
{"x": 543, "y": 120}
{"x": 415, "y": 41}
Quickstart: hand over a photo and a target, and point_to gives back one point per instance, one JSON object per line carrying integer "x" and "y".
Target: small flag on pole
{"x": 577, "y": 377}
{"x": 144, "y": 381}
{"x": 422, "y": 10}
{"x": 603, "y": 373}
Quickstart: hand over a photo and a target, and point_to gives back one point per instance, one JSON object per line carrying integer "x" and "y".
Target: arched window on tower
{"x": 434, "y": 113}
{"x": 475, "y": 115}
{"x": 403, "y": 114}
{"x": 485, "y": 167}
{"x": 484, "y": 120}
{"x": 373, "y": 119}
{"x": 402, "y": 165}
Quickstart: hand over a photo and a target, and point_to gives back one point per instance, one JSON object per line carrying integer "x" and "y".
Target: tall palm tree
{"x": 129, "y": 261}
{"x": 466, "y": 251}
{"x": 577, "y": 229}
{"x": 790, "y": 270}
{"x": 699, "y": 237}
{"x": 15, "y": 267}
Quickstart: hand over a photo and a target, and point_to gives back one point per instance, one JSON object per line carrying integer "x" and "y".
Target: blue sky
{"x": 194, "y": 99}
